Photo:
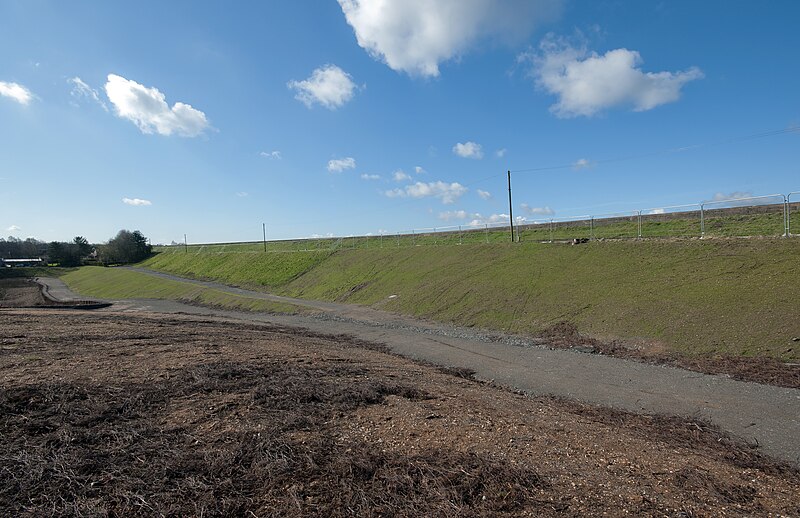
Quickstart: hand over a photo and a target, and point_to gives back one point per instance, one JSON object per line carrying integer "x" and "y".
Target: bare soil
{"x": 142, "y": 414}
{"x": 761, "y": 369}
{"x": 18, "y": 292}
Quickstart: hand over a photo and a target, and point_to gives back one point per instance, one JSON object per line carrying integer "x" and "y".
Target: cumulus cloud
{"x": 447, "y": 192}
{"x": 337, "y": 165}
{"x": 272, "y": 155}
{"x": 485, "y": 195}
{"x": 537, "y": 211}
{"x": 468, "y": 150}
{"x": 136, "y": 202}
{"x": 479, "y": 220}
{"x": 16, "y": 92}
{"x": 416, "y": 36}
{"x": 657, "y": 211}
{"x": 400, "y": 176}
{"x": 81, "y": 90}
{"x": 366, "y": 176}
{"x": 587, "y": 83}
{"x": 148, "y": 109}
{"x": 13, "y": 228}
{"x": 329, "y": 86}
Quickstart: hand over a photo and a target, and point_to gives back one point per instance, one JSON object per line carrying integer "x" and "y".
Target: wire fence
{"x": 774, "y": 215}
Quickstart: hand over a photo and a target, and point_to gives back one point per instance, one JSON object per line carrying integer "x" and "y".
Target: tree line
{"x": 125, "y": 247}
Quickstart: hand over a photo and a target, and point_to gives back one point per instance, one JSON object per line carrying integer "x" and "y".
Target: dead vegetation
{"x": 759, "y": 369}
{"x": 120, "y": 415}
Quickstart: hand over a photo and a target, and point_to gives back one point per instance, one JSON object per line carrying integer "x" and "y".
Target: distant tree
{"x": 84, "y": 248}
{"x": 125, "y": 247}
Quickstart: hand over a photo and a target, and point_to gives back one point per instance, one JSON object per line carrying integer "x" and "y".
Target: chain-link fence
{"x": 771, "y": 216}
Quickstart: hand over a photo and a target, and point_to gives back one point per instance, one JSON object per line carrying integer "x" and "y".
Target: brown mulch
{"x": 771, "y": 371}
{"x": 120, "y": 414}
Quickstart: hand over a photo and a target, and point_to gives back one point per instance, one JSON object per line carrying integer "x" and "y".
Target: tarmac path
{"x": 766, "y": 415}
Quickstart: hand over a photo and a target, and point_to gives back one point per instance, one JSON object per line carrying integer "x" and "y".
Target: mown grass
{"x": 262, "y": 270}
{"x": 738, "y": 297}
{"x": 719, "y": 296}
{"x": 115, "y": 283}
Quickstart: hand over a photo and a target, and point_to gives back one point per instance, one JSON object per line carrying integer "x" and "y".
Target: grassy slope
{"x": 112, "y": 283}
{"x": 725, "y": 296}
{"x": 242, "y": 269}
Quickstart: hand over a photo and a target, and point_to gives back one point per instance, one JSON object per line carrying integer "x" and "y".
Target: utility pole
{"x": 510, "y": 208}
{"x": 185, "y": 245}
{"x": 264, "y": 228}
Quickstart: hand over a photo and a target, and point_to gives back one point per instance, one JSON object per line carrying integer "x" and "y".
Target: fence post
{"x": 486, "y": 233}
{"x": 460, "y": 236}
{"x": 702, "y": 220}
{"x": 413, "y": 237}
{"x": 789, "y": 214}
{"x": 639, "y": 219}
{"x": 435, "y": 237}
{"x": 551, "y": 230}
{"x": 398, "y": 240}
{"x": 591, "y": 227}
{"x": 786, "y": 216}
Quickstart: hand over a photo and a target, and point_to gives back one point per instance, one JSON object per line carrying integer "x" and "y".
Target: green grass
{"x": 114, "y": 283}
{"x": 737, "y": 297}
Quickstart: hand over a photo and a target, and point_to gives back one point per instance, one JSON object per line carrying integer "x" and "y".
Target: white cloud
{"x": 419, "y": 170}
{"x": 13, "y": 228}
{"x": 500, "y": 153}
{"x": 479, "y": 220}
{"x": 148, "y": 109}
{"x": 400, "y": 176}
{"x": 740, "y": 199}
{"x": 537, "y": 211}
{"x": 447, "y": 192}
{"x": 416, "y": 36}
{"x": 328, "y": 86}
{"x": 736, "y": 195}
{"x": 242, "y": 194}
{"x": 454, "y": 214}
{"x": 136, "y": 202}
{"x": 485, "y": 195}
{"x": 272, "y": 155}
{"x": 337, "y": 165}
{"x": 81, "y": 90}
{"x": 582, "y": 163}
{"x": 16, "y": 92}
{"x": 657, "y": 211}
{"x": 366, "y": 176}
{"x": 468, "y": 150}
{"x": 587, "y": 83}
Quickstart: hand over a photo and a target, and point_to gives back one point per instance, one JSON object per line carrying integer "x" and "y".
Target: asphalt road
{"x": 767, "y": 415}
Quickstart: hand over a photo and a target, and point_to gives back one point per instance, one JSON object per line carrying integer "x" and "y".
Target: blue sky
{"x": 353, "y": 117}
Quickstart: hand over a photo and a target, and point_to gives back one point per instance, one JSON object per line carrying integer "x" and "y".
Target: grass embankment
{"x": 114, "y": 283}
{"x": 738, "y": 297}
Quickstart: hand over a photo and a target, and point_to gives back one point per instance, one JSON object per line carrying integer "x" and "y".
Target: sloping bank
{"x": 738, "y": 297}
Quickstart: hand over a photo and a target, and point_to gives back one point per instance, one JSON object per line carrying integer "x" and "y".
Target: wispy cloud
{"x": 582, "y": 163}
{"x": 400, "y": 176}
{"x": 272, "y": 155}
{"x": 468, "y": 150}
{"x": 13, "y": 228}
{"x": 16, "y": 92}
{"x": 136, "y": 202}
{"x": 537, "y": 211}
{"x": 337, "y": 165}
{"x": 81, "y": 90}
{"x": 419, "y": 170}
{"x": 447, "y": 192}
{"x": 366, "y": 176}
{"x": 148, "y": 109}
{"x": 485, "y": 195}
{"x": 329, "y": 86}
{"x": 500, "y": 153}
{"x": 242, "y": 194}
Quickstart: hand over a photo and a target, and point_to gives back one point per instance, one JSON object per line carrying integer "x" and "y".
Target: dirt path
{"x": 767, "y": 415}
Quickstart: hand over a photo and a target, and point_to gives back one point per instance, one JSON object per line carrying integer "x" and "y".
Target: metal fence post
{"x": 398, "y": 240}
{"x": 702, "y": 220}
{"x": 460, "y": 236}
{"x": 591, "y": 227}
{"x": 435, "y": 237}
{"x": 413, "y": 237}
{"x": 789, "y": 214}
{"x": 639, "y": 220}
{"x": 486, "y": 233}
